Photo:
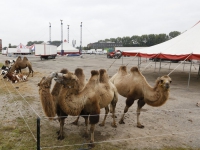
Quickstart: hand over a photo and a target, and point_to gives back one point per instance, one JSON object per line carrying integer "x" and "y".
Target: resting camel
{"x": 22, "y": 64}
{"x": 134, "y": 86}
{"x": 72, "y": 101}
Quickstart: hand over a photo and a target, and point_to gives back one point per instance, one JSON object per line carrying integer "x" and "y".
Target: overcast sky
{"x": 28, "y": 20}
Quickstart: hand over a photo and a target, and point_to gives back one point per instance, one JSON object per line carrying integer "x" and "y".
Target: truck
{"x": 18, "y": 51}
{"x": 45, "y": 51}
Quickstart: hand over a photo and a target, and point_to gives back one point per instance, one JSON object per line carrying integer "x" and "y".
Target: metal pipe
{"x": 38, "y": 133}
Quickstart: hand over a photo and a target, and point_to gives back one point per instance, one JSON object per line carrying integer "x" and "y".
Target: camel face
{"x": 165, "y": 82}
{"x": 70, "y": 80}
{"x": 45, "y": 82}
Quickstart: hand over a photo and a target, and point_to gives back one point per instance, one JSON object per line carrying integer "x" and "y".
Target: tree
{"x": 173, "y": 34}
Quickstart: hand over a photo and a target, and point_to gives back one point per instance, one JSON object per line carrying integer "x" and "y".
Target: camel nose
{"x": 167, "y": 85}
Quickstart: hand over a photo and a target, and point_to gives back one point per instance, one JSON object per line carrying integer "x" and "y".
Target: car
{"x": 115, "y": 54}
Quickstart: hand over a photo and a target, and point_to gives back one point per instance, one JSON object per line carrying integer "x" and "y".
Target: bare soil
{"x": 175, "y": 125}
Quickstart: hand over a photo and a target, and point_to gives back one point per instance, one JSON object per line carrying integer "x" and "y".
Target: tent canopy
{"x": 184, "y": 46}
{"x": 68, "y": 49}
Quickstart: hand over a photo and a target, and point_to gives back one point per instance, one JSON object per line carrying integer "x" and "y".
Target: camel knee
{"x": 94, "y": 118}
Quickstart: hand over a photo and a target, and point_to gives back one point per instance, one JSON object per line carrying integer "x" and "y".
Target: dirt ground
{"x": 176, "y": 124}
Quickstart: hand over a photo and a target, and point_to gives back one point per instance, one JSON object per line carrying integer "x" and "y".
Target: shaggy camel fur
{"x": 134, "y": 86}
{"x": 22, "y": 64}
{"x": 88, "y": 101}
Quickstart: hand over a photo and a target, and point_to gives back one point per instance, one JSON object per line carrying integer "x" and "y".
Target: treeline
{"x": 134, "y": 41}
{"x": 144, "y": 40}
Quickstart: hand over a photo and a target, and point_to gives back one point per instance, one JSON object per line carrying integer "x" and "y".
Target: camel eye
{"x": 161, "y": 81}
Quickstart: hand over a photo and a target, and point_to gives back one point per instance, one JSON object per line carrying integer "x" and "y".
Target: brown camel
{"x": 22, "y": 64}
{"x": 134, "y": 86}
{"x": 88, "y": 101}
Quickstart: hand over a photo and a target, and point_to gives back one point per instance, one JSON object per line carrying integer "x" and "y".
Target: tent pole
{"x": 170, "y": 65}
{"x": 122, "y": 59}
{"x": 159, "y": 67}
{"x": 183, "y": 65}
{"x": 138, "y": 64}
{"x": 189, "y": 74}
{"x": 155, "y": 67}
{"x": 199, "y": 71}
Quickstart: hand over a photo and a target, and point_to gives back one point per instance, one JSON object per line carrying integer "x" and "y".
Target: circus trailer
{"x": 18, "y": 51}
{"x": 45, "y": 51}
{"x": 4, "y": 52}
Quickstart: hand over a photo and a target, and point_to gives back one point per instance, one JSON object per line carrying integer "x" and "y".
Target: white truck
{"x": 18, "y": 51}
{"x": 45, "y": 51}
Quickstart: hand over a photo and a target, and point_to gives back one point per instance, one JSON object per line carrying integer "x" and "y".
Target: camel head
{"x": 46, "y": 81}
{"x": 164, "y": 82}
{"x": 68, "y": 80}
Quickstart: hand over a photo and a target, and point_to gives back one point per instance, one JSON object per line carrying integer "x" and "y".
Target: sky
{"x": 28, "y": 20}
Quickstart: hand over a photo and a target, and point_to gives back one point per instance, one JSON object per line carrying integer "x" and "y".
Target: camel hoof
{"x": 140, "y": 126}
{"x": 114, "y": 125}
{"x": 91, "y": 145}
{"x": 101, "y": 124}
{"x": 121, "y": 122}
{"x": 60, "y": 137}
{"x": 85, "y": 135}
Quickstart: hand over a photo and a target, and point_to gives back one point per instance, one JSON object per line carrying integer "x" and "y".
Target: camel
{"x": 198, "y": 104}
{"x": 86, "y": 102}
{"x": 22, "y": 64}
{"x": 134, "y": 86}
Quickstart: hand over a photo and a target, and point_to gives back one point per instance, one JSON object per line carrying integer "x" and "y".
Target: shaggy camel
{"x": 72, "y": 101}
{"x": 134, "y": 86}
{"x": 22, "y": 64}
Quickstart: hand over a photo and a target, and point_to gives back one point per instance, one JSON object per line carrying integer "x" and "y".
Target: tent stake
{"x": 189, "y": 75}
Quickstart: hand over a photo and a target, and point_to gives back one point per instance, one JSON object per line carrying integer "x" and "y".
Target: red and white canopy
{"x": 186, "y": 45}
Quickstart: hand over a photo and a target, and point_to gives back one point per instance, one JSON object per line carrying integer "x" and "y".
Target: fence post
{"x": 38, "y": 133}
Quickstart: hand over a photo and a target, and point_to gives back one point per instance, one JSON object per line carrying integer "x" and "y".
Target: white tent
{"x": 184, "y": 46}
{"x": 68, "y": 49}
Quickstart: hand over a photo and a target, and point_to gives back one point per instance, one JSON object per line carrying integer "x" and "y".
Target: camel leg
{"x": 60, "y": 132}
{"x": 106, "y": 113}
{"x": 112, "y": 108}
{"x": 76, "y": 121}
{"x": 92, "y": 127}
{"x": 141, "y": 103}
{"x": 86, "y": 125}
{"x": 129, "y": 102}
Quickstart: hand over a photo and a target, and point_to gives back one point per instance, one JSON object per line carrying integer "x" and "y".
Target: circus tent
{"x": 184, "y": 46}
{"x": 67, "y": 48}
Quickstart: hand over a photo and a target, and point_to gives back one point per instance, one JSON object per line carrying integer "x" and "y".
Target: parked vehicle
{"x": 115, "y": 54}
{"x": 45, "y": 51}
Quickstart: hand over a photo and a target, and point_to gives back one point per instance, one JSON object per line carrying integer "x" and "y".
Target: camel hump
{"x": 134, "y": 69}
{"x": 94, "y": 72}
{"x": 79, "y": 72}
{"x": 123, "y": 68}
{"x": 64, "y": 71}
{"x": 102, "y": 71}
{"x": 25, "y": 58}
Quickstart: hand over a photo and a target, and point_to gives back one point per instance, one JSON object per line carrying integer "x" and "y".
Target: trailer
{"x": 45, "y": 51}
{"x": 18, "y": 51}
